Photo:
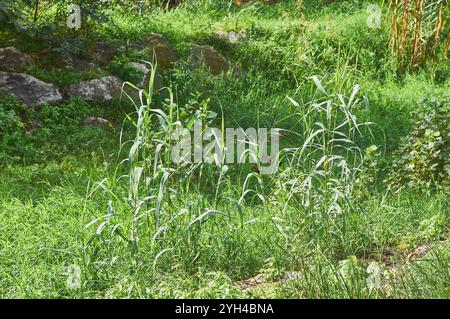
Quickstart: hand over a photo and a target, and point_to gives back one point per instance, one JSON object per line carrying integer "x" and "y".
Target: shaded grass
{"x": 41, "y": 237}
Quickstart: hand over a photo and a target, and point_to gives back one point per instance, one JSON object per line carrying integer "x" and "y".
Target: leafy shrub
{"x": 423, "y": 161}
{"x": 9, "y": 119}
{"x": 47, "y": 132}
{"x": 11, "y": 124}
{"x": 12, "y": 14}
{"x": 121, "y": 67}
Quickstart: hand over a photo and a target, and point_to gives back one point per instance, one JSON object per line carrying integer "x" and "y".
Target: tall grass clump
{"x": 186, "y": 214}
{"x": 420, "y": 31}
{"x": 320, "y": 179}
{"x": 154, "y": 200}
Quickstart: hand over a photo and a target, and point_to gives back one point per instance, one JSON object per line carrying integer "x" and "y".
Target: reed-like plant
{"x": 319, "y": 177}
{"x": 145, "y": 200}
{"x": 420, "y": 31}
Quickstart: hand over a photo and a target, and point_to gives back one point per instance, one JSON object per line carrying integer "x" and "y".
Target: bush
{"x": 423, "y": 161}
{"x": 12, "y": 14}
{"x": 11, "y": 125}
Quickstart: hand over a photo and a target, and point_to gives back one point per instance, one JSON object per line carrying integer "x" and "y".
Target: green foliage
{"x": 141, "y": 226}
{"x": 45, "y": 133}
{"x": 11, "y": 124}
{"x": 423, "y": 161}
{"x": 121, "y": 67}
{"x": 9, "y": 119}
{"x": 64, "y": 76}
{"x": 13, "y": 14}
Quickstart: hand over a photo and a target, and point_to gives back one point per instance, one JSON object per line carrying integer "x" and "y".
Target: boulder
{"x": 103, "y": 52}
{"x": 206, "y": 54}
{"x": 12, "y": 59}
{"x": 158, "y": 49}
{"x": 29, "y": 90}
{"x": 80, "y": 64}
{"x": 98, "y": 90}
{"x": 146, "y": 72}
{"x": 140, "y": 67}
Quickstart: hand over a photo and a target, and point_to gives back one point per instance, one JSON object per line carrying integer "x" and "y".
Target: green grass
{"x": 41, "y": 237}
{"x": 178, "y": 233}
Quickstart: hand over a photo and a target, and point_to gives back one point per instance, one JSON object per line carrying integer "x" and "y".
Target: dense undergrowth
{"x": 340, "y": 201}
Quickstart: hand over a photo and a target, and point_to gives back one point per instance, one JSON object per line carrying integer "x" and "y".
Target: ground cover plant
{"x": 92, "y": 204}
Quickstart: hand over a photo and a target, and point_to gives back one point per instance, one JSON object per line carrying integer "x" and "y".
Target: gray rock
{"x": 103, "y": 52}
{"x": 29, "y": 90}
{"x": 98, "y": 90}
{"x": 80, "y": 64}
{"x": 12, "y": 59}
{"x": 146, "y": 73}
{"x": 144, "y": 70}
{"x": 141, "y": 67}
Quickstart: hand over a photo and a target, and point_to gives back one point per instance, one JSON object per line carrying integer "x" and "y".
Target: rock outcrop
{"x": 29, "y": 90}
{"x": 79, "y": 64}
{"x": 103, "y": 52}
{"x": 146, "y": 73}
{"x": 98, "y": 90}
{"x": 158, "y": 49}
{"x": 213, "y": 59}
{"x": 13, "y": 60}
